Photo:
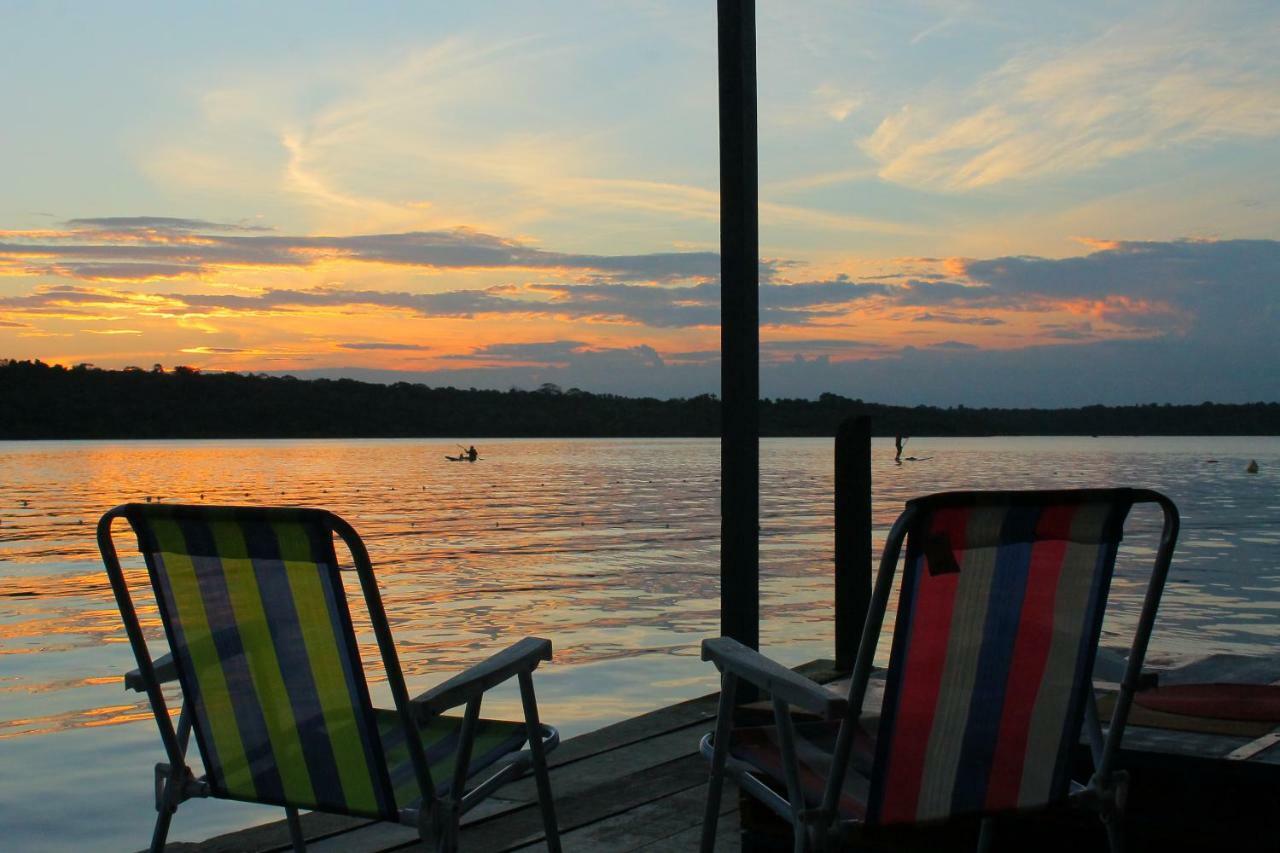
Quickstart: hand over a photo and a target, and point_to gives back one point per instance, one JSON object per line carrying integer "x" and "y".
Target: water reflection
{"x": 608, "y": 547}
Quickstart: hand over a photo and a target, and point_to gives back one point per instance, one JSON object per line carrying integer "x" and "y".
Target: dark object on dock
{"x": 1236, "y": 702}
{"x": 273, "y": 686}
{"x": 852, "y": 536}
{"x": 1192, "y": 787}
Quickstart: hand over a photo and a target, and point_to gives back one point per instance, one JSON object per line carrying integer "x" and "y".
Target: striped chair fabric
{"x": 998, "y": 621}
{"x": 998, "y": 618}
{"x": 439, "y": 736}
{"x": 254, "y": 609}
{"x": 815, "y": 742}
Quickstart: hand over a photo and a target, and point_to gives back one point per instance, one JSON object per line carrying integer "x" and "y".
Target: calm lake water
{"x": 610, "y": 548}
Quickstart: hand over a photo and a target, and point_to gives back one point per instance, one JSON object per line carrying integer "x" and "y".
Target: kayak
{"x": 463, "y": 458}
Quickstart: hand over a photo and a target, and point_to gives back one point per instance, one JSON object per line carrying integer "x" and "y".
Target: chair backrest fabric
{"x": 255, "y": 612}
{"x": 999, "y": 615}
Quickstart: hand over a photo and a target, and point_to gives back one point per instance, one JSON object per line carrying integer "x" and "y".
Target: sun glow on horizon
{"x": 502, "y": 201}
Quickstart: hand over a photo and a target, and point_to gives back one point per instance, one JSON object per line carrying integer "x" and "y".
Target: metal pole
{"x": 739, "y": 326}
{"x": 853, "y": 535}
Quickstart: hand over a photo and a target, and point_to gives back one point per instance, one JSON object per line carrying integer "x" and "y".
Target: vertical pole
{"x": 853, "y": 535}
{"x": 739, "y": 326}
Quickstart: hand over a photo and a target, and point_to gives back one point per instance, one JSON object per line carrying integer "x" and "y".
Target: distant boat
{"x": 463, "y": 458}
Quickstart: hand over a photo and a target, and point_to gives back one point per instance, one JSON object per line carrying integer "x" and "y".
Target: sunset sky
{"x": 985, "y": 203}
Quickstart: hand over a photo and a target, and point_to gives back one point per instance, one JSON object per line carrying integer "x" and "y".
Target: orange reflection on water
{"x": 609, "y": 548}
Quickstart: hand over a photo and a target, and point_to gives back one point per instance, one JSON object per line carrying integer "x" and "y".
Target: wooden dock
{"x": 635, "y": 785}
{"x": 639, "y": 785}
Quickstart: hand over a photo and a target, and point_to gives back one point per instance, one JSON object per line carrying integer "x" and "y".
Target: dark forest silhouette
{"x": 49, "y": 401}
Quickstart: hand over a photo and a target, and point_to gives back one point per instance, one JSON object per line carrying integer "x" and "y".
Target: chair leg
{"x": 539, "y": 760}
{"x": 295, "y": 829}
{"x": 167, "y": 799}
{"x": 448, "y": 828}
{"x": 161, "y": 831}
{"x": 1112, "y": 813}
{"x": 986, "y": 835}
{"x": 1115, "y": 832}
{"x": 715, "y": 784}
{"x": 800, "y": 833}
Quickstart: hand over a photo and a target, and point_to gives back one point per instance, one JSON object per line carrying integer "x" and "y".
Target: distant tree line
{"x": 38, "y": 400}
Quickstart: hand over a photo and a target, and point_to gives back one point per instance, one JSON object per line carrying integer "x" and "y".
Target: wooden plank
{"x": 680, "y": 715}
{"x": 584, "y": 780}
{"x": 615, "y": 796}
{"x": 728, "y": 837}
{"x": 1255, "y": 747}
{"x": 1179, "y": 744}
{"x": 376, "y": 837}
{"x": 584, "y": 775}
{"x": 597, "y": 769}
{"x": 635, "y": 730}
{"x": 1239, "y": 669}
{"x": 652, "y": 824}
{"x": 274, "y": 836}
{"x": 598, "y": 766}
{"x": 373, "y": 838}
{"x": 641, "y": 743}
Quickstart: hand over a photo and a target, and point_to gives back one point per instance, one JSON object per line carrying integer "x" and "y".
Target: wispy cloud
{"x": 1171, "y": 77}
{"x": 111, "y": 251}
{"x": 584, "y": 325}
{"x": 956, "y": 319}
{"x": 380, "y": 345}
{"x": 562, "y": 354}
{"x": 159, "y": 224}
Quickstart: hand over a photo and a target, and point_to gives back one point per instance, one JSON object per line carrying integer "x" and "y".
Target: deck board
{"x": 656, "y": 825}
{"x": 636, "y": 784}
{"x": 639, "y": 785}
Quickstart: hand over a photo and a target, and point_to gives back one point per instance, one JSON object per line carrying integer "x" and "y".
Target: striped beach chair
{"x": 989, "y": 682}
{"x": 273, "y": 687}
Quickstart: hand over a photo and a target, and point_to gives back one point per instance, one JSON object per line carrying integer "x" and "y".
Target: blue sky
{"x": 1030, "y": 203}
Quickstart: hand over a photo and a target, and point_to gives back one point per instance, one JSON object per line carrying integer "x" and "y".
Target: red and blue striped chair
{"x": 989, "y": 682}
{"x": 263, "y": 646}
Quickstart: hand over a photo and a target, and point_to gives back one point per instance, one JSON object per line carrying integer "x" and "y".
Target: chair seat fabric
{"x": 493, "y": 740}
{"x": 760, "y": 747}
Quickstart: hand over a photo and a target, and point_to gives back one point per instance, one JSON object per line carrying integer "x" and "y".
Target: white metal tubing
{"x": 866, "y": 657}
{"x": 720, "y": 745}
{"x": 539, "y": 758}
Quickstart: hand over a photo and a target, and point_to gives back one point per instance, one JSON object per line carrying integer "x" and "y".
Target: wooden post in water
{"x": 739, "y": 326}
{"x": 853, "y": 535}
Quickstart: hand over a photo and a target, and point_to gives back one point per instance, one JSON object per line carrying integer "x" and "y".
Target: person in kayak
{"x": 472, "y": 453}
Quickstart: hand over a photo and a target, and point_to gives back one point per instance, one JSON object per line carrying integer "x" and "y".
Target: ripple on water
{"x": 610, "y": 548}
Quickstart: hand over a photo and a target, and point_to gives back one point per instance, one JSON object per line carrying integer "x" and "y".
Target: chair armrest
{"x": 518, "y": 658}
{"x": 165, "y": 672}
{"x": 733, "y": 658}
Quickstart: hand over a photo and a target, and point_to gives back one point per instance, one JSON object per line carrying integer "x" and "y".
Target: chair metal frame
{"x": 436, "y": 818}
{"x": 821, "y": 828}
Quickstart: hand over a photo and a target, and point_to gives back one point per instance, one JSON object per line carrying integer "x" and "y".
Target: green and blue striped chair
{"x": 989, "y": 682}
{"x": 273, "y": 687}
